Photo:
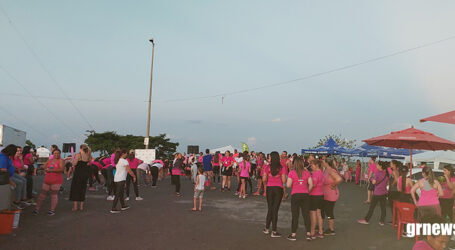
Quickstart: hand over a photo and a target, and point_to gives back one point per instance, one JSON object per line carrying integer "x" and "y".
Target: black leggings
{"x": 300, "y": 202}
{"x": 176, "y": 182}
{"x": 110, "y": 181}
{"x": 95, "y": 173}
{"x": 446, "y": 208}
{"x": 129, "y": 179}
{"x": 274, "y": 196}
{"x": 29, "y": 189}
{"x": 327, "y": 210}
{"x": 119, "y": 194}
{"x": 154, "y": 172}
{"x": 382, "y": 199}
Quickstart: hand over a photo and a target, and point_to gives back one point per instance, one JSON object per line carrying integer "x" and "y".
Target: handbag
{"x": 4, "y": 177}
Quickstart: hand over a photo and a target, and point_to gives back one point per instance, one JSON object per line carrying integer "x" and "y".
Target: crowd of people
{"x": 311, "y": 181}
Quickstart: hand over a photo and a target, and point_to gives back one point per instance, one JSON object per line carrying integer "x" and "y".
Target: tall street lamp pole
{"x": 150, "y": 97}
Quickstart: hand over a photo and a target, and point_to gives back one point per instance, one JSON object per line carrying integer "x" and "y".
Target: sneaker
{"x": 35, "y": 212}
{"x": 50, "y": 213}
{"x": 33, "y": 202}
{"x": 320, "y": 236}
{"x": 139, "y": 198}
{"x": 114, "y": 211}
{"x": 266, "y": 231}
{"x": 236, "y": 193}
{"x": 291, "y": 238}
{"x": 308, "y": 237}
{"x": 26, "y": 203}
{"x": 125, "y": 208}
{"x": 17, "y": 206}
{"x": 275, "y": 235}
{"x": 363, "y": 221}
{"x": 329, "y": 232}
{"x": 110, "y": 198}
{"x": 127, "y": 198}
{"x": 381, "y": 223}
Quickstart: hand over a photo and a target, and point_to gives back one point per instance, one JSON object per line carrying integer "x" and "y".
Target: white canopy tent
{"x": 222, "y": 149}
{"x": 436, "y": 157}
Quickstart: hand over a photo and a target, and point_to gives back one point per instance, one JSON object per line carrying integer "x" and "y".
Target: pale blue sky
{"x": 100, "y": 50}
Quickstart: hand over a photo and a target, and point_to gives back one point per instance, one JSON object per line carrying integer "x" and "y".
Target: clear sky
{"x": 99, "y": 50}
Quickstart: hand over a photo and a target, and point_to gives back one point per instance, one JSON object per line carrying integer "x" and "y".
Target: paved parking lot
{"x": 163, "y": 221}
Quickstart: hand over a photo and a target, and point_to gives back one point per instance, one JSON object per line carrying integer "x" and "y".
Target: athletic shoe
{"x": 110, "y": 198}
{"x": 313, "y": 237}
{"x": 308, "y": 237}
{"x": 17, "y": 206}
{"x": 26, "y": 203}
{"x": 50, "y": 213}
{"x": 125, "y": 208}
{"x": 329, "y": 232}
{"x": 291, "y": 238}
{"x": 275, "y": 235}
{"x": 127, "y": 198}
{"x": 139, "y": 198}
{"x": 256, "y": 194}
{"x": 363, "y": 221}
{"x": 381, "y": 223}
{"x": 35, "y": 212}
{"x": 266, "y": 231}
{"x": 320, "y": 236}
{"x": 236, "y": 193}
{"x": 114, "y": 211}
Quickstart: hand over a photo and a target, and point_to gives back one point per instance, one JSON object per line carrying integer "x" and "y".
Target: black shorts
{"x": 227, "y": 172}
{"x": 328, "y": 209}
{"x": 370, "y": 186}
{"x": 216, "y": 169}
{"x": 316, "y": 202}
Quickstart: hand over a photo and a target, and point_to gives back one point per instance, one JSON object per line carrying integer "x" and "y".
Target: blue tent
{"x": 329, "y": 148}
{"x": 382, "y": 152}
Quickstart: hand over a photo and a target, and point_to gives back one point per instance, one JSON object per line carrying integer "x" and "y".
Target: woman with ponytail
{"x": 430, "y": 190}
{"x": 300, "y": 182}
{"x": 380, "y": 181}
{"x": 275, "y": 177}
{"x": 404, "y": 185}
{"x": 446, "y": 200}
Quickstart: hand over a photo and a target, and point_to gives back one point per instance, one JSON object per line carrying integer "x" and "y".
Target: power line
{"x": 44, "y": 68}
{"x": 39, "y": 101}
{"x": 23, "y": 122}
{"x": 315, "y": 75}
{"x": 65, "y": 99}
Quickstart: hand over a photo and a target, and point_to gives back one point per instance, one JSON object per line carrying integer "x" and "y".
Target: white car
{"x": 417, "y": 174}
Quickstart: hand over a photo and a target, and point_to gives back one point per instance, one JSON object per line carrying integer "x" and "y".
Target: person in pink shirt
{"x": 301, "y": 183}
{"x": 245, "y": 170}
{"x": 316, "y": 199}
{"x": 275, "y": 178}
{"x": 446, "y": 199}
{"x": 372, "y": 168}
{"x": 404, "y": 187}
{"x": 226, "y": 171}
{"x": 358, "y": 172}
{"x": 176, "y": 172}
{"x": 53, "y": 179}
{"x": 216, "y": 162}
{"x": 331, "y": 194}
{"x": 432, "y": 242}
{"x": 430, "y": 191}
{"x": 133, "y": 162}
{"x": 28, "y": 160}
{"x": 259, "y": 170}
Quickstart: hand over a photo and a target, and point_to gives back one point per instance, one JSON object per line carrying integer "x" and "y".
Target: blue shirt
{"x": 207, "y": 161}
{"x": 5, "y": 162}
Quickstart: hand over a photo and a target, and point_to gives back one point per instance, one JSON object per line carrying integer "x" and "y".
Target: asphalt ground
{"x": 163, "y": 221}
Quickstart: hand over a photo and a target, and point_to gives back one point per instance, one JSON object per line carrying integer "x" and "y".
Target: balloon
{"x": 245, "y": 147}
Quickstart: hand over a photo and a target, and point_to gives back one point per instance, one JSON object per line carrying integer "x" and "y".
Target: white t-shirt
{"x": 158, "y": 165}
{"x": 120, "y": 172}
{"x": 200, "y": 186}
{"x": 144, "y": 166}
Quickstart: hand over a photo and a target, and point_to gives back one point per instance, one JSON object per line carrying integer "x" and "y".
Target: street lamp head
{"x": 151, "y": 40}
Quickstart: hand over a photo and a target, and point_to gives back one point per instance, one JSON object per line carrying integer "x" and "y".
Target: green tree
{"x": 106, "y": 142}
{"x": 346, "y": 143}
{"x": 30, "y": 143}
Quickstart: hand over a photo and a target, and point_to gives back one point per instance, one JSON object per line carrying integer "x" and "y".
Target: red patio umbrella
{"x": 448, "y": 117}
{"x": 412, "y": 138}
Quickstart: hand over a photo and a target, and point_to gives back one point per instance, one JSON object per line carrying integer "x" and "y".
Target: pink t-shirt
{"x": 318, "y": 182}
{"x": 299, "y": 185}
{"x": 112, "y": 160}
{"x": 227, "y": 160}
{"x": 422, "y": 245}
{"x": 330, "y": 194}
{"x": 99, "y": 165}
{"x": 245, "y": 169}
{"x": 17, "y": 164}
{"x": 447, "y": 193}
{"x": 372, "y": 168}
{"x": 264, "y": 168}
{"x": 28, "y": 159}
{"x": 133, "y": 163}
{"x": 200, "y": 158}
{"x": 274, "y": 181}
{"x": 106, "y": 162}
